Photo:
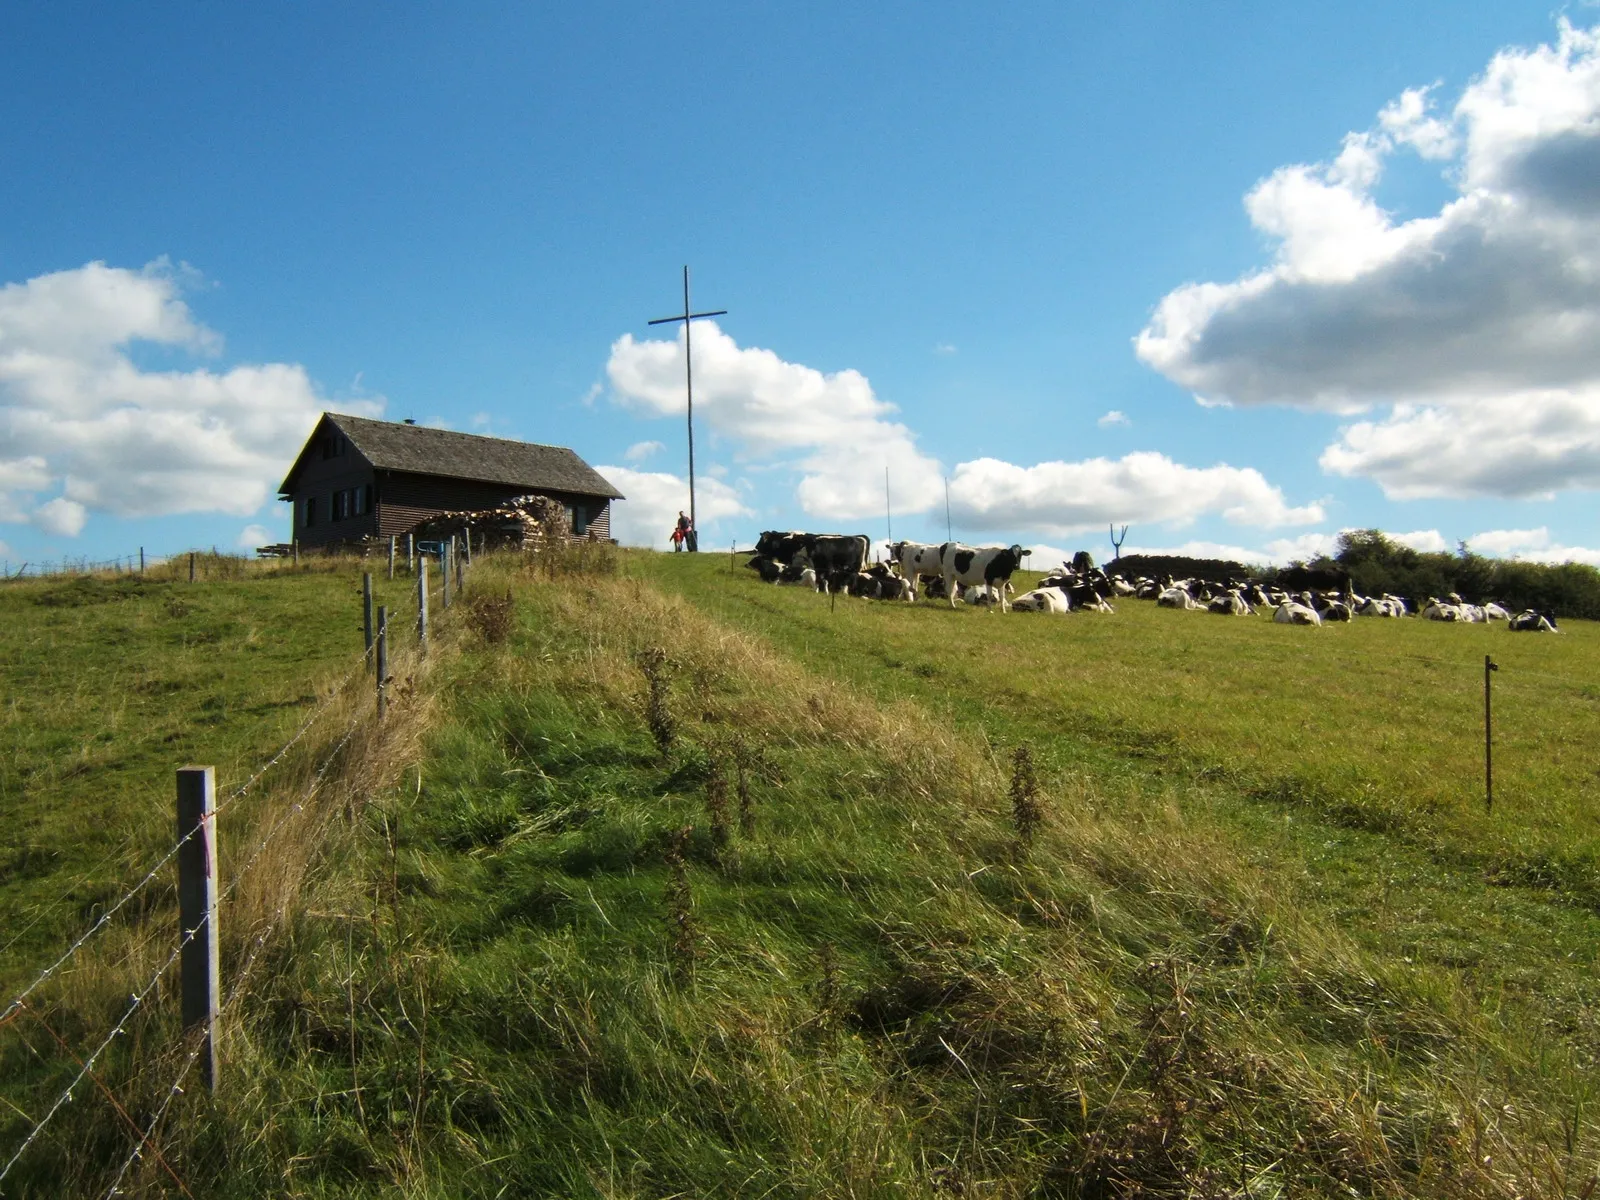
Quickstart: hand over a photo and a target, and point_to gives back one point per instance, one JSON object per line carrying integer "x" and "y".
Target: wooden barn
{"x": 358, "y": 478}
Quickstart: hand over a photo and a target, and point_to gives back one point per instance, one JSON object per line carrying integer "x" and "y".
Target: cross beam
{"x": 688, "y": 381}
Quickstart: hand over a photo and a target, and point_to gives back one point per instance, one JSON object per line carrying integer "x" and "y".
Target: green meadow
{"x": 662, "y": 882}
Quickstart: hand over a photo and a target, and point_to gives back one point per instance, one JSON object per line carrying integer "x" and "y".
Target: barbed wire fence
{"x": 369, "y": 710}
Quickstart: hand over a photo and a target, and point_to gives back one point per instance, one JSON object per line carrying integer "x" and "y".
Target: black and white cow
{"x": 1532, "y": 621}
{"x": 824, "y": 553}
{"x": 990, "y": 565}
{"x": 766, "y": 568}
{"x": 1043, "y": 599}
{"x": 915, "y": 560}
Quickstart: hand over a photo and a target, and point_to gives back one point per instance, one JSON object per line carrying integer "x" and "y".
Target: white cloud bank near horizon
{"x": 79, "y": 418}
{"x": 654, "y": 499}
{"x": 838, "y": 435}
{"x": 1475, "y": 331}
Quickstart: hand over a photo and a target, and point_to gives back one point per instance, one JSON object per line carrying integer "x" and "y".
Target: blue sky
{"x": 950, "y": 241}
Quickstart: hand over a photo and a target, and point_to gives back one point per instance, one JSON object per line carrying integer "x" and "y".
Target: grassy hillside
{"x": 110, "y": 683}
{"x": 793, "y": 922}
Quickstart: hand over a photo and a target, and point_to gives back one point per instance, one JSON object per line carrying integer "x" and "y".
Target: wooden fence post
{"x": 366, "y": 615}
{"x": 411, "y": 553}
{"x": 444, "y": 574}
{"x": 391, "y": 556}
{"x": 1488, "y": 737}
{"x": 199, "y": 963}
{"x": 466, "y": 538}
{"x": 141, "y": 560}
{"x": 461, "y": 572}
{"x": 422, "y": 608}
{"x": 383, "y": 657}
{"x": 297, "y": 552}
{"x": 191, "y": 566}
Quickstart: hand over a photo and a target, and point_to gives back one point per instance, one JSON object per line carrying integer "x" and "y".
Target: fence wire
{"x": 238, "y": 792}
{"x": 139, "y": 997}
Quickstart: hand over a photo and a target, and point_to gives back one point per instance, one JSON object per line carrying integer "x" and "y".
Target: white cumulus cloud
{"x": 1429, "y": 541}
{"x": 1114, "y": 417}
{"x": 1475, "y": 330}
{"x": 61, "y": 517}
{"x": 1530, "y": 545}
{"x": 79, "y": 416}
{"x": 640, "y": 451}
{"x": 655, "y": 498}
{"x": 831, "y": 428}
{"x": 252, "y": 536}
{"x": 1058, "y": 498}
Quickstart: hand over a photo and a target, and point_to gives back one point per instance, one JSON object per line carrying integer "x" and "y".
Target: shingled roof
{"x": 420, "y": 450}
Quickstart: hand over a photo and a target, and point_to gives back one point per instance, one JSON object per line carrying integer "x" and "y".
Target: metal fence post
{"x": 366, "y": 614}
{"x": 391, "y": 556}
{"x": 383, "y": 658}
{"x": 422, "y": 608}
{"x": 411, "y": 553}
{"x": 199, "y": 962}
{"x": 297, "y": 552}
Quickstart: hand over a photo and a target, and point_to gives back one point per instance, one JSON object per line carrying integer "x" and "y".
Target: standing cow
{"x": 990, "y": 566}
{"x": 915, "y": 560}
{"x": 825, "y": 553}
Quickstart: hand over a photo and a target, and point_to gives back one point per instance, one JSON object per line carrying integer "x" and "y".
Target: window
{"x": 580, "y": 520}
{"x": 341, "y": 504}
{"x": 363, "y": 500}
{"x": 333, "y": 445}
{"x": 311, "y": 512}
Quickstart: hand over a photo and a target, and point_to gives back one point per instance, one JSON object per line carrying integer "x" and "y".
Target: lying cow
{"x": 1232, "y": 605}
{"x": 1292, "y": 612}
{"x": 1176, "y": 597}
{"x": 766, "y": 568}
{"x": 1043, "y": 599}
{"x": 979, "y": 567}
{"x": 984, "y": 595}
{"x": 1532, "y": 621}
{"x": 795, "y": 575}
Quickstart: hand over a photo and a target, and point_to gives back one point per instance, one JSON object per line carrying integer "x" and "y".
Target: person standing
{"x": 680, "y": 532}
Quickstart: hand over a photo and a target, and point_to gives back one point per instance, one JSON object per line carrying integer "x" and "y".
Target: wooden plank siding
{"x": 320, "y": 479}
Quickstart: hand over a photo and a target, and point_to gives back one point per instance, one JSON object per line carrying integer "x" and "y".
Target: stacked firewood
{"x": 524, "y": 522}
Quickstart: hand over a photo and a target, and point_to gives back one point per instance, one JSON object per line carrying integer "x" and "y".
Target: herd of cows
{"x": 838, "y": 563}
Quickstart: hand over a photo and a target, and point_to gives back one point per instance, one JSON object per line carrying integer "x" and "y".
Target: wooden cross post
{"x": 688, "y": 317}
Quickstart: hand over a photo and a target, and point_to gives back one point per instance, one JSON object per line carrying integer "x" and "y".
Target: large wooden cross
{"x": 688, "y": 380}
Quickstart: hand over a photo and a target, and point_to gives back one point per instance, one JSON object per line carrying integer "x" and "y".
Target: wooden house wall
{"x": 322, "y": 477}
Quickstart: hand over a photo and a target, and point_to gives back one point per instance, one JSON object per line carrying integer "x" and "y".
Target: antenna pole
{"x": 948, "y": 536}
{"x": 888, "y": 514}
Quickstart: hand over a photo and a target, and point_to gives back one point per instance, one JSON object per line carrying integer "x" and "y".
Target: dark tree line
{"x": 1377, "y": 564}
